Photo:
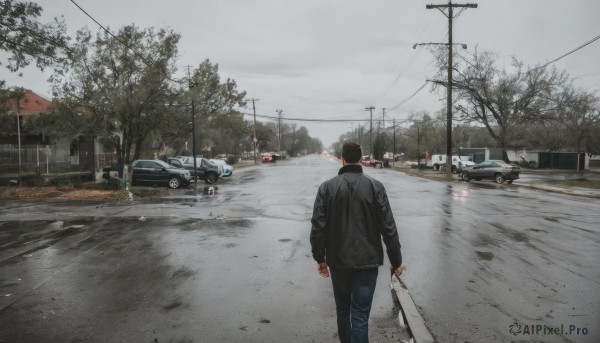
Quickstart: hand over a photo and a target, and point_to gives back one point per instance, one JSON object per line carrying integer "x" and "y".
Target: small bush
{"x": 114, "y": 183}
{"x": 64, "y": 187}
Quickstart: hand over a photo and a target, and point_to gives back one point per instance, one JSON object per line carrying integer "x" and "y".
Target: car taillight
{"x": 503, "y": 170}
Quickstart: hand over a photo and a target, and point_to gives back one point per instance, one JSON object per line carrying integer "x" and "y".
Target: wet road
{"x": 236, "y": 266}
{"x": 233, "y": 267}
{"x": 482, "y": 256}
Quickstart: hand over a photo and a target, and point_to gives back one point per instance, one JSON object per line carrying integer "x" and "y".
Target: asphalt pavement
{"x": 232, "y": 267}
{"x": 485, "y": 262}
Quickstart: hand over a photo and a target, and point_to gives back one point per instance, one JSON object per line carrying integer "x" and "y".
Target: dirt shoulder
{"x": 60, "y": 193}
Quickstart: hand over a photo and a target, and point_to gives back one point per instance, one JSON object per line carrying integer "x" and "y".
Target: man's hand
{"x": 322, "y": 269}
{"x": 398, "y": 270}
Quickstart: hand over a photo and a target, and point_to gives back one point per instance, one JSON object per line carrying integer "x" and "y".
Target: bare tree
{"x": 549, "y": 134}
{"x": 579, "y": 114}
{"x": 504, "y": 100}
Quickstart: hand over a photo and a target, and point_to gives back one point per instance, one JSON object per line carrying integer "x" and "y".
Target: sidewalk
{"x": 585, "y": 184}
{"x": 564, "y": 189}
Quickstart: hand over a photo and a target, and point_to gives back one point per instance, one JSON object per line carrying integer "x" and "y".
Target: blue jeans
{"x": 353, "y": 290}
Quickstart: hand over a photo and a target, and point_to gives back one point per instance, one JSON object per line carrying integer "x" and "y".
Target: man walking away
{"x": 350, "y": 216}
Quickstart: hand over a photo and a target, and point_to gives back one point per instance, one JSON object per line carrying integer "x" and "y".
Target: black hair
{"x": 351, "y": 152}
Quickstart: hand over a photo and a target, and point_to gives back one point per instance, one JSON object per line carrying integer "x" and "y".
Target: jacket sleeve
{"x": 388, "y": 228}
{"x": 318, "y": 233}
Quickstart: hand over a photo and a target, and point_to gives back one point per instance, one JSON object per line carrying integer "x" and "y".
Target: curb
{"x": 408, "y": 314}
{"x": 575, "y": 192}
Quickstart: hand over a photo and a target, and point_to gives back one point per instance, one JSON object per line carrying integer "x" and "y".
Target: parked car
{"x": 366, "y": 161}
{"x": 266, "y": 157}
{"x": 225, "y": 169}
{"x": 157, "y": 172}
{"x": 492, "y": 169}
{"x": 205, "y": 170}
{"x": 438, "y": 161}
{"x": 229, "y": 159}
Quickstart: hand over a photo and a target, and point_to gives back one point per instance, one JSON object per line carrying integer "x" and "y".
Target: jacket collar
{"x": 351, "y": 168}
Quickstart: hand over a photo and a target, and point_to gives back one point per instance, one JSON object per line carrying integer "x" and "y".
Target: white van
{"x": 458, "y": 162}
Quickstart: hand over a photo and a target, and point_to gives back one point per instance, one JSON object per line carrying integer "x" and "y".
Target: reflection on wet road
{"x": 236, "y": 266}
{"x": 482, "y": 256}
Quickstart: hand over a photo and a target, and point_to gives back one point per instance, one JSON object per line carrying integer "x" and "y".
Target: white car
{"x": 225, "y": 169}
{"x": 458, "y": 162}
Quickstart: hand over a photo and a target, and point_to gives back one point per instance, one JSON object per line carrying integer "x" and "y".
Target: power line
{"x": 410, "y": 97}
{"x": 570, "y": 52}
{"x": 315, "y": 120}
{"x": 400, "y": 69}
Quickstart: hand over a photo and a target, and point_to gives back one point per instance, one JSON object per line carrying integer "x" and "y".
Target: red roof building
{"x": 32, "y": 104}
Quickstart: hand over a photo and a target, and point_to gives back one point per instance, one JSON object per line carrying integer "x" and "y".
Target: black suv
{"x": 205, "y": 169}
{"x": 156, "y": 172}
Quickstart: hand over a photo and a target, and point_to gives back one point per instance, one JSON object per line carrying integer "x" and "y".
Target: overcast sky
{"x": 330, "y": 59}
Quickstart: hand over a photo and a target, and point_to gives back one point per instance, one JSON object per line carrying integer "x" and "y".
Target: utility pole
{"x": 394, "y": 150}
{"x": 384, "y": 134}
{"x": 254, "y": 139}
{"x": 190, "y": 86}
{"x": 450, "y": 15}
{"x": 370, "y": 109}
{"x": 418, "y": 148}
{"x": 279, "y": 128}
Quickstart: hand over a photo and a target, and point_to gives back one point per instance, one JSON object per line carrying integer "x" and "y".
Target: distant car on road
{"x": 225, "y": 169}
{"x": 266, "y": 157}
{"x": 369, "y": 161}
{"x": 497, "y": 170}
{"x": 157, "y": 172}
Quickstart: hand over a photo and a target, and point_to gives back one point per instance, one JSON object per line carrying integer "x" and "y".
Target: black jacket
{"x": 350, "y": 216}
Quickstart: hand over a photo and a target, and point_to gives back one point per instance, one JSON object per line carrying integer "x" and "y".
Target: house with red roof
{"x": 32, "y": 104}
{"x": 65, "y": 154}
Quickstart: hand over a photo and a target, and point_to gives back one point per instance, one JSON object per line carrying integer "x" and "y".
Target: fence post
{"x": 47, "y": 153}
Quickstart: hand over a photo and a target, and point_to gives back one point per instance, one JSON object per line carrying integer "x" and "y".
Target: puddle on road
{"x": 79, "y": 221}
{"x": 175, "y": 304}
{"x": 483, "y": 255}
{"x": 516, "y": 236}
{"x": 199, "y": 224}
{"x": 510, "y": 196}
{"x": 538, "y": 230}
{"x": 485, "y": 240}
{"x": 182, "y": 273}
